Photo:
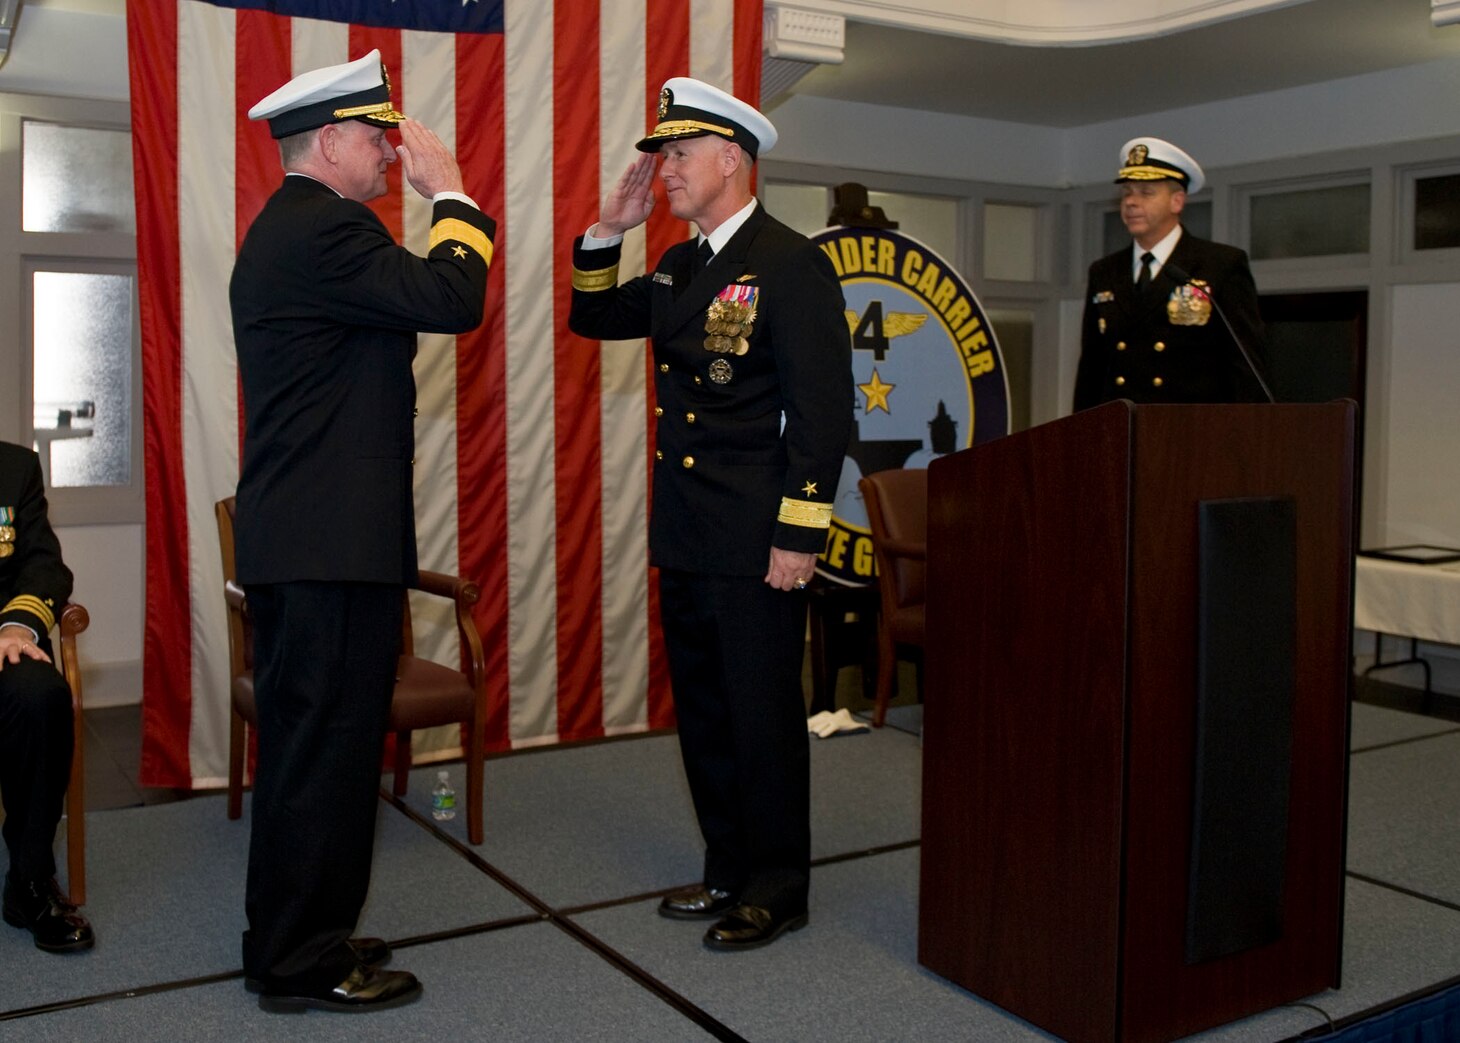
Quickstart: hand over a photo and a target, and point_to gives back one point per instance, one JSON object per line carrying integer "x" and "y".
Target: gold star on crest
{"x": 877, "y": 393}
{"x": 458, "y": 251}
{"x": 809, "y": 488}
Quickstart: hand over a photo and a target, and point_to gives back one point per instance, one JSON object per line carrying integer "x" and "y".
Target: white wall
{"x": 1422, "y": 472}
{"x": 1409, "y": 104}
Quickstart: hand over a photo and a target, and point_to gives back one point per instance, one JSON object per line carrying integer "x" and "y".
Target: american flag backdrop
{"x": 533, "y": 446}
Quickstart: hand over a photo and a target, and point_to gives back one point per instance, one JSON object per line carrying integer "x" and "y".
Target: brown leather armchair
{"x": 75, "y": 619}
{"x": 897, "y": 508}
{"x": 427, "y": 694}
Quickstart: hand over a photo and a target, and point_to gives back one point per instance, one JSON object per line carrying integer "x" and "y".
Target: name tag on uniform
{"x": 664, "y": 278}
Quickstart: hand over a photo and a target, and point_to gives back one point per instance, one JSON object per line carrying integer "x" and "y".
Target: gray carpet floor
{"x": 547, "y": 930}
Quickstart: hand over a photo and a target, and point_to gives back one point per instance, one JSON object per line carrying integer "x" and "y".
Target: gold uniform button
{"x": 413, "y": 461}
{"x": 1120, "y": 381}
{"x": 1160, "y": 345}
{"x": 1157, "y": 382}
{"x": 689, "y": 418}
{"x": 1120, "y": 345}
{"x": 698, "y": 380}
{"x": 663, "y": 367}
{"x": 689, "y": 461}
{"x": 415, "y": 411}
{"x": 659, "y": 454}
{"x": 658, "y": 410}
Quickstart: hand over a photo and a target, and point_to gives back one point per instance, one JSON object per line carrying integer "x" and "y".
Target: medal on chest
{"x": 729, "y": 320}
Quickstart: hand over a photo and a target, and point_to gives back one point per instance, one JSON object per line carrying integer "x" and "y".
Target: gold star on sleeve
{"x": 458, "y": 251}
{"x": 809, "y": 488}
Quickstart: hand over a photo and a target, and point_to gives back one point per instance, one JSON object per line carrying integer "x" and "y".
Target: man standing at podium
{"x": 1153, "y": 328}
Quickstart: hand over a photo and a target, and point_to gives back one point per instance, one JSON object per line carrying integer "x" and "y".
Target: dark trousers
{"x": 35, "y": 762}
{"x": 735, "y": 649}
{"x": 324, "y": 669}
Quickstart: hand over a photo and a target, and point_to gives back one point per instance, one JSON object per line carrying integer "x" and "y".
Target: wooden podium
{"x": 1136, "y": 723}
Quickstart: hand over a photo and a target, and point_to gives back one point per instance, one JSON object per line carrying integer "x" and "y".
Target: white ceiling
{"x": 1070, "y": 86}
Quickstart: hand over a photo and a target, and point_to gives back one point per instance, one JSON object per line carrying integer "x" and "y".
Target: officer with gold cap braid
{"x": 326, "y": 307}
{"x": 753, "y": 383}
{"x": 1153, "y": 329}
{"x": 35, "y": 707}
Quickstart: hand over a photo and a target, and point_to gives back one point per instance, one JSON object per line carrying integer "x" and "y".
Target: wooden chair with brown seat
{"x": 427, "y": 694}
{"x": 897, "y": 508}
{"x": 75, "y": 619}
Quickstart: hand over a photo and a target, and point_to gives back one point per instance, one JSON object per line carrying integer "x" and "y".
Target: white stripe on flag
{"x": 313, "y": 44}
{"x": 532, "y": 616}
{"x": 428, "y": 94}
{"x": 711, "y": 58}
{"x": 624, "y": 417}
{"x": 209, "y": 405}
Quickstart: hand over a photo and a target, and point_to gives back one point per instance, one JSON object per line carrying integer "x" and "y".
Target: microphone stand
{"x": 1183, "y": 276}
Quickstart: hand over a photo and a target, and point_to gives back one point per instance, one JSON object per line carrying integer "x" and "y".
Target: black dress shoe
{"x": 750, "y": 927}
{"x": 696, "y": 903}
{"x": 366, "y": 989}
{"x": 41, "y": 908}
{"x": 372, "y": 952}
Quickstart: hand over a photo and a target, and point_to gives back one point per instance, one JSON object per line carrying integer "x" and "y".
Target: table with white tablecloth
{"x": 1419, "y": 602}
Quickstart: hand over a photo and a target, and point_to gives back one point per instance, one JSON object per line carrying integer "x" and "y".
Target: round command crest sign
{"x": 929, "y": 376}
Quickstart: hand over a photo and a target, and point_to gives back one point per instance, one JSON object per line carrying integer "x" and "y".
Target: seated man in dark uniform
{"x": 35, "y": 707}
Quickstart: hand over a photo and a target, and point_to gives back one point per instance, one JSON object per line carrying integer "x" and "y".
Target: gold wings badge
{"x": 894, "y": 323}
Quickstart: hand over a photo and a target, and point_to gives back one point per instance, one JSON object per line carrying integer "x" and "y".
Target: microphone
{"x": 1181, "y": 275}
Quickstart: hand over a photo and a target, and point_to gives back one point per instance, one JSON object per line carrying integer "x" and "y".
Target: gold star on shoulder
{"x": 877, "y": 393}
{"x": 458, "y": 251}
{"x": 809, "y": 488}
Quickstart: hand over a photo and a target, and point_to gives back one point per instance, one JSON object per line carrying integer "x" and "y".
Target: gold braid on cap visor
{"x": 379, "y": 111}
{"x": 1149, "y": 173}
{"x": 674, "y": 128}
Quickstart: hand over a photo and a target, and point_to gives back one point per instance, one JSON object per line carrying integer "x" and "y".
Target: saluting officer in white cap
{"x": 326, "y": 307}
{"x": 1152, "y": 329}
{"x": 749, "y": 340}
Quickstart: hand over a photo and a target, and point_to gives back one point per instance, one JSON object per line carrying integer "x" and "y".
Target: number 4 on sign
{"x": 872, "y": 333}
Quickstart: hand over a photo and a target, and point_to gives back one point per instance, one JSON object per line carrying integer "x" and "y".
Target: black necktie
{"x": 1144, "y": 279}
{"x": 702, "y": 257}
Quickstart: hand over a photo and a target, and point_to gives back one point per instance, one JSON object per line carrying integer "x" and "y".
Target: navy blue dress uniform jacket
{"x": 34, "y": 582}
{"x": 728, "y": 483}
{"x": 1131, "y": 348}
{"x": 326, "y": 307}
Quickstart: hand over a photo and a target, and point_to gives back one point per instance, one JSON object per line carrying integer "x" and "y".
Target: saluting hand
{"x": 631, "y": 201}
{"x": 428, "y": 164}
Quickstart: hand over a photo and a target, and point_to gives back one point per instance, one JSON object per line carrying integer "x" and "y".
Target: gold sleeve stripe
{"x": 593, "y": 282}
{"x": 454, "y": 228}
{"x": 35, "y": 606}
{"x": 805, "y": 513}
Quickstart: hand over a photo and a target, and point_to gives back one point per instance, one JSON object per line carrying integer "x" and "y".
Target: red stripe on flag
{"x": 576, "y": 364}
{"x": 363, "y": 39}
{"x": 666, "y": 35}
{"x": 167, "y": 626}
{"x": 262, "y": 63}
{"x": 481, "y": 372}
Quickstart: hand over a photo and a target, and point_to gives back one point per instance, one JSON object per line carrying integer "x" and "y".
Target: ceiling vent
{"x": 8, "y": 9}
{"x": 795, "y": 42}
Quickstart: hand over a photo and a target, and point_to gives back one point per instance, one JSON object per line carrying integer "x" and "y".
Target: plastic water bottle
{"x": 443, "y": 798}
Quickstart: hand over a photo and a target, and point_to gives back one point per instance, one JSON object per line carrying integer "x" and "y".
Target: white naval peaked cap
{"x": 357, "y": 90}
{"x": 1151, "y": 159}
{"x": 691, "y": 108}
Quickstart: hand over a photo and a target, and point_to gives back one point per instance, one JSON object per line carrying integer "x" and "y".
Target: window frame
{"x": 21, "y": 254}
